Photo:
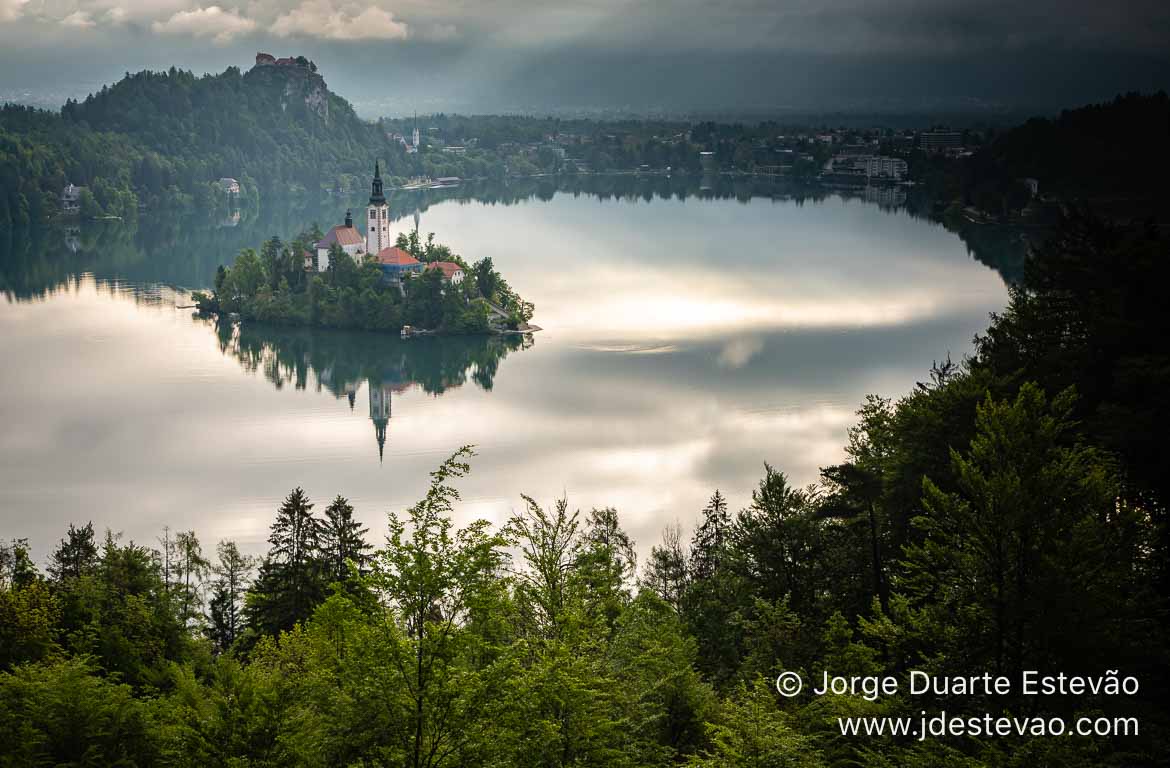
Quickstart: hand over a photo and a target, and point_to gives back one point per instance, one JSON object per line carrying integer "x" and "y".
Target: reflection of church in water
{"x": 380, "y": 408}
{"x": 380, "y": 394}
{"x": 387, "y": 366}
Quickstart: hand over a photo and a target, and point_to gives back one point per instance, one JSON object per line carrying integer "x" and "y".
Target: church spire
{"x": 380, "y": 435}
{"x": 376, "y": 195}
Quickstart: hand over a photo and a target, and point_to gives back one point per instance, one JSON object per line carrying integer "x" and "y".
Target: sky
{"x": 401, "y": 56}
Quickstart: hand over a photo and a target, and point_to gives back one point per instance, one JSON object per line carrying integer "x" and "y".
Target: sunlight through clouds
{"x": 321, "y": 19}
{"x": 213, "y": 22}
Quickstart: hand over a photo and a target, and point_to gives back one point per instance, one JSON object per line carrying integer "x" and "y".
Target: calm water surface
{"x": 686, "y": 342}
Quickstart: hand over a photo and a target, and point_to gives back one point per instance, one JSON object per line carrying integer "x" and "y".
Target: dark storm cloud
{"x": 390, "y": 54}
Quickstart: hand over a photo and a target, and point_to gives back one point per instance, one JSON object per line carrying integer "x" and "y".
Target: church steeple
{"x": 376, "y": 195}
{"x": 377, "y": 216}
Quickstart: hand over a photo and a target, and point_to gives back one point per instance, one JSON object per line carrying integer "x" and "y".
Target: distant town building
{"x": 452, "y": 272}
{"x": 229, "y": 185}
{"x": 885, "y": 168}
{"x": 265, "y": 59}
{"x": 708, "y": 161}
{"x": 71, "y": 199}
{"x": 397, "y": 263}
{"x": 346, "y": 236}
{"x": 940, "y": 141}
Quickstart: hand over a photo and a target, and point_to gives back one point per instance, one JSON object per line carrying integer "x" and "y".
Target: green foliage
{"x": 164, "y": 138}
{"x": 1033, "y": 509}
{"x": 63, "y": 714}
{"x": 753, "y": 733}
{"x": 232, "y": 577}
{"x": 274, "y": 287}
{"x": 292, "y": 578}
{"x": 30, "y": 618}
{"x": 443, "y": 588}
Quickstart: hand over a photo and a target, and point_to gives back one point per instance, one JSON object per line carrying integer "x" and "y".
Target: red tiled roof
{"x": 341, "y": 235}
{"x": 395, "y": 256}
{"x": 449, "y": 268}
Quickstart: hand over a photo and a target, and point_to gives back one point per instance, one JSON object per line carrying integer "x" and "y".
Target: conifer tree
{"x": 291, "y": 579}
{"x": 77, "y": 554}
{"x": 709, "y": 545}
{"x": 343, "y": 542}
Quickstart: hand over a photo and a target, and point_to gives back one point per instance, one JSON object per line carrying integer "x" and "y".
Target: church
{"x": 395, "y": 262}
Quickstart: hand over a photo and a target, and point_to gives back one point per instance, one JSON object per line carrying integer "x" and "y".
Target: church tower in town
{"x": 377, "y": 217}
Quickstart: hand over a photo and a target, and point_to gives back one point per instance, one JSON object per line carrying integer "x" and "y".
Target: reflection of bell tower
{"x": 379, "y": 412}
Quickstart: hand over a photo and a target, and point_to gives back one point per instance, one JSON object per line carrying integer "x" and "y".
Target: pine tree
{"x": 605, "y": 564}
{"x": 713, "y": 597}
{"x": 76, "y": 556}
{"x": 709, "y": 545}
{"x": 343, "y": 542}
{"x": 290, "y": 583}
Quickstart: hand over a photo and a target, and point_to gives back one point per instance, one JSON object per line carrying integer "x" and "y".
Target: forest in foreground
{"x": 1008, "y": 514}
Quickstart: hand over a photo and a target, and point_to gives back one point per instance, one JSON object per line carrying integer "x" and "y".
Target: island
{"x": 344, "y": 279}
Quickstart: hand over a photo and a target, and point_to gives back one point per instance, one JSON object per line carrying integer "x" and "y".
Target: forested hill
{"x": 275, "y": 124}
{"x": 163, "y": 137}
{"x": 1114, "y": 156}
{"x": 1118, "y": 148}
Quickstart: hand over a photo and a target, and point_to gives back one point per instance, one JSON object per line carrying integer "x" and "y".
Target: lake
{"x": 690, "y": 335}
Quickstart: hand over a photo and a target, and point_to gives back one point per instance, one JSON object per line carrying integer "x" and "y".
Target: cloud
{"x": 321, "y": 19}
{"x": 10, "y": 10}
{"x": 80, "y": 19}
{"x": 739, "y": 352}
{"x": 213, "y": 22}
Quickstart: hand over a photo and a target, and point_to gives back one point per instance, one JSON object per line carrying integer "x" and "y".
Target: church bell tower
{"x": 377, "y": 216}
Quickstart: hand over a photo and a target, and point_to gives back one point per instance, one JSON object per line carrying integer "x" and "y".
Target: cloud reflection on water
{"x": 686, "y": 343}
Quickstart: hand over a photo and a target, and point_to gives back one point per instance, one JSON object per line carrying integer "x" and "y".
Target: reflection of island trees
{"x": 340, "y": 362}
{"x": 627, "y": 187}
{"x": 182, "y": 249}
